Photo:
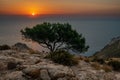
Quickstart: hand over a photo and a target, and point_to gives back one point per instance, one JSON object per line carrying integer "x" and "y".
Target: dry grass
{"x": 115, "y": 65}
{"x": 63, "y": 57}
{"x": 87, "y": 60}
{"x": 107, "y": 68}
{"x": 31, "y": 51}
{"x": 104, "y": 67}
{"x": 114, "y": 59}
{"x": 96, "y": 65}
{"x": 75, "y": 60}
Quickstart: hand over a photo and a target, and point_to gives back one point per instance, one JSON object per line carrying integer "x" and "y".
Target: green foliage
{"x": 63, "y": 57}
{"x": 4, "y": 47}
{"x": 115, "y": 65}
{"x": 56, "y": 36}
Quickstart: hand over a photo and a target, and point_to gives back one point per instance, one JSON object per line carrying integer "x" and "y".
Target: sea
{"x": 98, "y": 30}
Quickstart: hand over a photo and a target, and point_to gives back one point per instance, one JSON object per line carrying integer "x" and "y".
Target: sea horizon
{"x": 98, "y": 30}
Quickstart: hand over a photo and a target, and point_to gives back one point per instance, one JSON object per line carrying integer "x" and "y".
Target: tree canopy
{"x": 56, "y": 36}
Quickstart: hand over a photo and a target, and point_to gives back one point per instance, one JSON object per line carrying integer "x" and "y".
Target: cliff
{"x": 111, "y": 50}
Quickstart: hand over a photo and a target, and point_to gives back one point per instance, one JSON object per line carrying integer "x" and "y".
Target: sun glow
{"x": 33, "y": 14}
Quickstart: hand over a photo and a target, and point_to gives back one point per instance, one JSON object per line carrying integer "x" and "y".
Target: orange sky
{"x": 84, "y": 7}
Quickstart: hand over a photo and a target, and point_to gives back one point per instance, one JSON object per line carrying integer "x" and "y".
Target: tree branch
{"x": 59, "y": 46}
{"x": 43, "y": 46}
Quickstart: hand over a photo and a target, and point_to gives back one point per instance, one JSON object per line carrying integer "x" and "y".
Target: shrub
{"x": 31, "y": 51}
{"x": 63, "y": 57}
{"x": 115, "y": 65}
{"x": 101, "y": 61}
{"x": 81, "y": 58}
{"x": 4, "y": 47}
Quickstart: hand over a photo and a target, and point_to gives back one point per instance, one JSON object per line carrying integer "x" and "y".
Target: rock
{"x": 44, "y": 74}
{"x": 114, "y": 40}
{"x": 61, "y": 79}
{"x": 31, "y": 72}
{"x": 2, "y": 66}
{"x": 27, "y": 66}
{"x": 8, "y": 52}
{"x": 67, "y": 78}
{"x": 5, "y": 47}
{"x": 12, "y": 65}
{"x": 16, "y": 75}
{"x": 32, "y": 60}
{"x": 109, "y": 76}
{"x": 59, "y": 71}
{"x": 21, "y": 47}
{"x": 48, "y": 71}
{"x": 117, "y": 76}
{"x": 111, "y": 50}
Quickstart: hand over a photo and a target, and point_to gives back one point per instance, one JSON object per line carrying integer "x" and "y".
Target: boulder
{"x": 31, "y": 72}
{"x": 5, "y": 47}
{"x": 44, "y": 74}
{"x": 16, "y": 75}
{"x": 2, "y": 66}
{"x": 11, "y": 65}
{"x": 21, "y": 47}
{"x": 60, "y": 71}
{"x": 117, "y": 76}
{"x": 48, "y": 71}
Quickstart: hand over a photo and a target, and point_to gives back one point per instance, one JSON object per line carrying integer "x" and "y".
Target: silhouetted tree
{"x": 56, "y": 36}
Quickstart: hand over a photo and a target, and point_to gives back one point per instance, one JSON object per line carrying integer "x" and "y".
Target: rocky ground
{"x": 16, "y": 65}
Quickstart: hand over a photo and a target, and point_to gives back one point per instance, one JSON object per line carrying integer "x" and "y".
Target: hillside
{"x": 111, "y": 50}
{"x": 21, "y": 65}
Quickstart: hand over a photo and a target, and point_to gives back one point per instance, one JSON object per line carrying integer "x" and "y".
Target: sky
{"x": 83, "y": 7}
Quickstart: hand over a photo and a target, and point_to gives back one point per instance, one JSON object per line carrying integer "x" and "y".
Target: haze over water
{"x": 98, "y": 31}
